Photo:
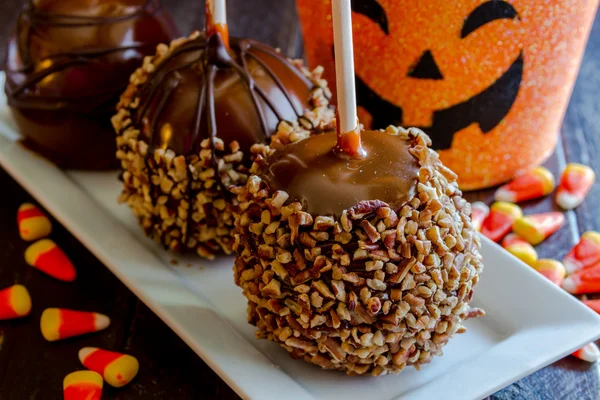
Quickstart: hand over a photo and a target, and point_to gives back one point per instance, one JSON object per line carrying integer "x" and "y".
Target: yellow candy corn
{"x": 33, "y": 223}
{"x": 586, "y": 280}
{"x": 536, "y": 183}
{"x": 520, "y": 248}
{"x": 15, "y": 302}
{"x": 58, "y": 323}
{"x": 575, "y": 183}
{"x": 117, "y": 369}
{"x": 82, "y": 385}
{"x": 551, "y": 269}
{"x": 535, "y": 228}
{"x": 501, "y": 219}
{"x": 46, "y": 256}
{"x": 584, "y": 254}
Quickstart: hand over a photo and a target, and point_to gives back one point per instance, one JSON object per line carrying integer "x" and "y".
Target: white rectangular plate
{"x": 530, "y": 322}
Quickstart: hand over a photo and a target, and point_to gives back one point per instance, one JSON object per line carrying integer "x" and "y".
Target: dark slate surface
{"x": 31, "y": 368}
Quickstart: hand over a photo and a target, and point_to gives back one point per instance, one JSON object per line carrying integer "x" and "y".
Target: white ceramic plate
{"x": 530, "y": 322}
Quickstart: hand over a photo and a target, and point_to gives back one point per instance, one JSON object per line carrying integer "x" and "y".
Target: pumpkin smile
{"x": 487, "y": 109}
{"x": 474, "y": 83}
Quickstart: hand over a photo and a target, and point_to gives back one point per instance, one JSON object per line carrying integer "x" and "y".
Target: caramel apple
{"x": 356, "y": 250}
{"x": 67, "y": 64}
{"x": 362, "y": 265}
{"x": 188, "y": 122}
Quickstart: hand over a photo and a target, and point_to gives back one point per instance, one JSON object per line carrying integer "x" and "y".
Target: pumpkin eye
{"x": 486, "y": 13}
{"x": 372, "y": 10}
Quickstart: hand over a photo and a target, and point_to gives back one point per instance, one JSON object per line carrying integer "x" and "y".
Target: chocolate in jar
{"x": 67, "y": 64}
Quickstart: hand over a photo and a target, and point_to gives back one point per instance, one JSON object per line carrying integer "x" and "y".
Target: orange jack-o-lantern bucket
{"x": 488, "y": 80}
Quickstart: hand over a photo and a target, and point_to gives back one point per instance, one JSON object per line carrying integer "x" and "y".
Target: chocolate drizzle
{"x": 240, "y": 95}
{"x": 32, "y": 18}
{"x": 211, "y": 60}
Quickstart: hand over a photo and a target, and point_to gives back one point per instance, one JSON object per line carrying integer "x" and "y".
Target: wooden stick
{"x": 348, "y": 142}
{"x": 216, "y": 20}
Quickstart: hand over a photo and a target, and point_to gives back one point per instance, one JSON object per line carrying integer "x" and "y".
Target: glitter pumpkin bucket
{"x": 488, "y": 80}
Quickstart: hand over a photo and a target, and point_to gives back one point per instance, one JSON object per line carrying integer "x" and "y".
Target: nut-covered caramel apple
{"x": 188, "y": 121}
{"x": 67, "y": 64}
{"x": 355, "y": 248}
{"x": 365, "y": 265}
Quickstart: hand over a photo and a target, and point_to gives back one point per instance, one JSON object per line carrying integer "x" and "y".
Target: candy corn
{"x": 536, "y": 183}
{"x": 501, "y": 219}
{"x": 15, "y": 302}
{"x": 590, "y": 353}
{"x": 584, "y": 254}
{"x": 512, "y": 239}
{"x": 583, "y": 281}
{"x": 33, "y": 223}
{"x": 46, "y": 256}
{"x": 593, "y": 304}
{"x": 575, "y": 183}
{"x": 116, "y": 368}
{"x": 58, "y": 323}
{"x": 82, "y": 385}
{"x": 479, "y": 212}
{"x": 551, "y": 269}
{"x": 535, "y": 228}
{"x": 520, "y": 248}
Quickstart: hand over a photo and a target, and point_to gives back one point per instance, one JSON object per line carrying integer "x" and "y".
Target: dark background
{"x": 31, "y": 368}
{"x": 265, "y": 20}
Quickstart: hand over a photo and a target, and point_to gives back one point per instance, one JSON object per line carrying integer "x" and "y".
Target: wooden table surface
{"x": 31, "y": 368}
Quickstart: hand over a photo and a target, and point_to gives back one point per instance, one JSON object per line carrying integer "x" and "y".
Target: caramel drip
{"x": 212, "y": 28}
{"x": 326, "y": 184}
{"x": 34, "y": 18}
{"x": 214, "y": 57}
{"x": 349, "y": 144}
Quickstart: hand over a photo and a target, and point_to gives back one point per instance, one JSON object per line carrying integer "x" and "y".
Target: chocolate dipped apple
{"x": 67, "y": 64}
{"x": 188, "y": 121}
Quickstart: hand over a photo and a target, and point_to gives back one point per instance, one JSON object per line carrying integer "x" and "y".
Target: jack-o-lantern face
{"x": 465, "y": 93}
{"x": 488, "y": 80}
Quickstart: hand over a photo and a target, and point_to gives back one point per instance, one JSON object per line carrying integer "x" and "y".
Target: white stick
{"x": 344, "y": 64}
{"x": 219, "y": 12}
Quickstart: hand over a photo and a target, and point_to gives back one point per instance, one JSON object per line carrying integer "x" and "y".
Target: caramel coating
{"x": 327, "y": 183}
{"x": 372, "y": 291}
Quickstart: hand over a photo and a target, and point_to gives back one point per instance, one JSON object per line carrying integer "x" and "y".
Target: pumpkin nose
{"x": 425, "y": 68}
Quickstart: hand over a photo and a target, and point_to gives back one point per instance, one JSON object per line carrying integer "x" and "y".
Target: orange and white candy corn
{"x": 593, "y": 304}
{"x": 117, "y": 369}
{"x": 501, "y": 219}
{"x": 46, "y": 256}
{"x": 536, "y": 183}
{"x": 575, "y": 183}
{"x": 551, "y": 269}
{"x": 33, "y": 223}
{"x": 535, "y": 228}
{"x": 59, "y": 323}
{"x": 584, "y": 254}
{"x": 15, "y": 302}
{"x": 590, "y": 353}
{"x": 82, "y": 385}
{"x": 520, "y": 248}
{"x": 583, "y": 281}
{"x": 479, "y": 212}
